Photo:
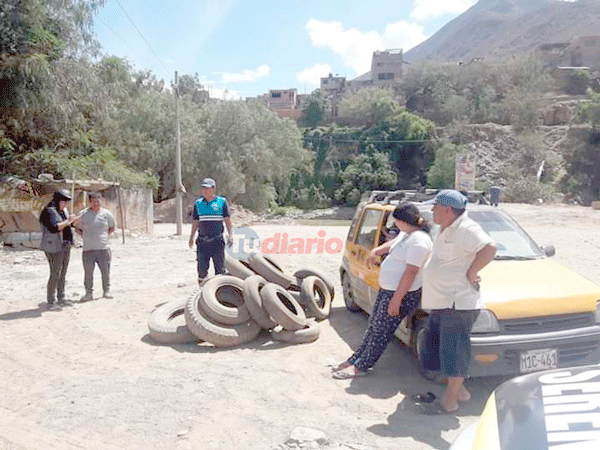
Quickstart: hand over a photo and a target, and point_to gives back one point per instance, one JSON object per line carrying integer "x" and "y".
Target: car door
{"x": 365, "y": 279}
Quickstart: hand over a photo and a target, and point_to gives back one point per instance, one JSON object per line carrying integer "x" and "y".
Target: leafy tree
{"x": 249, "y": 150}
{"x": 442, "y": 172}
{"x": 368, "y": 106}
{"x": 368, "y": 171}
{"x": 315, "y": 109}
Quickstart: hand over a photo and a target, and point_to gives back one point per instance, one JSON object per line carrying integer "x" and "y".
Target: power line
{"x": 373, "y": 142}
{"x": 123, "y": 40}
{"x": 143, "y": 37}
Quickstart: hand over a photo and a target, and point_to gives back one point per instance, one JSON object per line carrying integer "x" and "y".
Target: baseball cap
{"x": 208, "y": 183}
{"x": 451, "y": 198}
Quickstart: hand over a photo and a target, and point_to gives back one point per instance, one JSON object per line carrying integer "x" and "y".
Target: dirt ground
{"x": 90, "y": 377}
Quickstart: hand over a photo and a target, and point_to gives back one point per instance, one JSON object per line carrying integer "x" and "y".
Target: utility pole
{"x": 179, "y": 189}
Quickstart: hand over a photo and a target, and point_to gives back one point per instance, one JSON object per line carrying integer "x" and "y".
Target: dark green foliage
{"x": 315, "y": 109}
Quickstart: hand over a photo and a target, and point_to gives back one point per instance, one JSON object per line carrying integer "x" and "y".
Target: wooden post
{"x": 121, "y": 213}
{"x": 178, "y": 184}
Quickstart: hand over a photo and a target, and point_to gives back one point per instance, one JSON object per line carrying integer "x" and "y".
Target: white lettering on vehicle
{"x": 572, "y": 410}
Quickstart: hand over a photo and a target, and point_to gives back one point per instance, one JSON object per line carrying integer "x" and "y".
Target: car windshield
{"x": 513, "y": 242}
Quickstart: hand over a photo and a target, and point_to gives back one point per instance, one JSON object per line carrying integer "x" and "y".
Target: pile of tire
{"x": 229, "y": 310}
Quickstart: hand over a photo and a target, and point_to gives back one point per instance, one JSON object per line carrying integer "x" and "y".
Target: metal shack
{"x": 22, "y": 201}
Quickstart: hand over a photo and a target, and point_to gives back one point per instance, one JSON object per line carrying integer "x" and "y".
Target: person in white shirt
{"x": 451, "y": 295}
{"x": 400, "y": 282}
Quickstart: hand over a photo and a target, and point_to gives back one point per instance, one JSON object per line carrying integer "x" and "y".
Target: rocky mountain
{"x": 500, "y": 29}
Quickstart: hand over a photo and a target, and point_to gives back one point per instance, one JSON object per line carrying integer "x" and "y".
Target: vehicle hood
{"x": 513, "y": 289}
{"x": 541, "y": 411}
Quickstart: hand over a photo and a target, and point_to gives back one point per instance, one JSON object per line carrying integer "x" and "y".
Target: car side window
{"x": 368, "y": 228}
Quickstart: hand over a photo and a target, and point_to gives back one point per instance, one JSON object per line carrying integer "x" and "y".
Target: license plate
{"x": 541, "y": 359}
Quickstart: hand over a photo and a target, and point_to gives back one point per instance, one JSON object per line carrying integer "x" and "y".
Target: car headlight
{"x": 598, "y": 311}
{"x": 486, "y": 322}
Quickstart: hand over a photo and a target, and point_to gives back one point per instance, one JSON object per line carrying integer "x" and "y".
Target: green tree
{"x": 249, "y": 150}
{"x": 368, "y": 171}
{"x": 368, "y": 106}
{"x": 315, "y": 109}
{"x": 442, "y": 172}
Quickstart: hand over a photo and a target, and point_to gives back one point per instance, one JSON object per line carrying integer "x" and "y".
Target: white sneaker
{"x": 86, "y": 298}
{"x": 107, "y": 294}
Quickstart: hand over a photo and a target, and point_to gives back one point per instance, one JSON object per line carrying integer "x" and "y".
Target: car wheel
{"x": 282, "y": 307}
{"x": 316, "y": 296}
{"x": 164, "y": 328}
{"x": 269, "y": 271}
{"x": 348, "y": 297}
{"x": 301, "y": 274}
{"x": 309, "y": 333}
{"x": 419, "y": 338}
{"x": 222, "y": 299}
{"x": 254, "y": 303}
{"x": 219, "y": 335}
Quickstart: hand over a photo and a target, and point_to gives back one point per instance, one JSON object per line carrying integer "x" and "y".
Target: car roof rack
{"x": 413, "y": 195}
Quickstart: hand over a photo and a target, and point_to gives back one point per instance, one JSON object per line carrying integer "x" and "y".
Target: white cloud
{"x": 356, "y": 47}
{"x": 426, "y": 9}
{"x": 246, "y": 75}
{"x": 312, "y": 75}
{"x": 224, "y": 94}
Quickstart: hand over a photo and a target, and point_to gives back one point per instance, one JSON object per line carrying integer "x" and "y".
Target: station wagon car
{"x": 537, "y": 314}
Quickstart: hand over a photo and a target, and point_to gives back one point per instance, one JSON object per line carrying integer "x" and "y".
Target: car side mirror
{"x": 549, "y": 250}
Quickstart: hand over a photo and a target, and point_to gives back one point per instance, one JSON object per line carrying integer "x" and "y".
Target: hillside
{"x": 497, "y": 29}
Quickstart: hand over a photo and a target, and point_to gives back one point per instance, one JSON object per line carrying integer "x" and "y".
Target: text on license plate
{"x": 540, "y": 359}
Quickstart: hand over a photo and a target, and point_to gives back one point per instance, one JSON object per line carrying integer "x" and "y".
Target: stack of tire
{"x": 230, "y": 310}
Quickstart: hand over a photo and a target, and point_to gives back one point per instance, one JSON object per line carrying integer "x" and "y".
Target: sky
{"x": 244, "y": 48}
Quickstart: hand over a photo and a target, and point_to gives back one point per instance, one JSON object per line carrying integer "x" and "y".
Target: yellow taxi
{"x": 537, "y": 314}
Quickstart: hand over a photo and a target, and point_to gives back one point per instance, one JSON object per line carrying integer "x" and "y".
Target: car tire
{"x": 419, "y": 341}
{"x": 269, "y": 272}
{"x": 254, "y": 303}
{"x": 237, "y": 268}
{"x": 309, "y": 333}
{"x": 162, "y": 328}
{"x": 282, "y": 307}
{"x": 219, "y": 335}
{"x": 348, "y": 294}
{"x": 301, "y": 274}
{"x": 222, "y": 299}
{"x": 316, "y": 296}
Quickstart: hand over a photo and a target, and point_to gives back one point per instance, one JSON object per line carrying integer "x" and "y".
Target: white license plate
{"x": 541, "y": 359}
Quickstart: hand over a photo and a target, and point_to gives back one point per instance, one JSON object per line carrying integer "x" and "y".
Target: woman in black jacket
{"x": 57, "y": 240}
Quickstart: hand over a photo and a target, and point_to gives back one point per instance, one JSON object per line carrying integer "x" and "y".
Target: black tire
{"x": 419, "y": 338}
{"x": 316, "y": 296}
{"x": 237, "y": 268}
{"x": 301, "y": 274}
{"x": 162, "y": 328}
{"x": 270, "y": 272}
{"x": 282, "y": 307}
{"x": 348, "y": 294}
{"x": 222, "y": 299}
{"x": 219, "y": 335}
{"x": 309, "y": 333}
{"x": 254, "y": 303}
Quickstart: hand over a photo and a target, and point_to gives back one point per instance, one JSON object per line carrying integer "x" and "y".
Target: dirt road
{"x": 89, "y": 377}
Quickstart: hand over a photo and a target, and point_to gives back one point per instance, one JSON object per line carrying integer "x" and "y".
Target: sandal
{"x": 433, "y": 409}
{"x": 348, "y": 373}
{"x": 424, "y": 398}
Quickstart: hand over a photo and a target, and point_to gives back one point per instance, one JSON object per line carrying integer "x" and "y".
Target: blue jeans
{"x": 382, "y": 327}
{"x": 208, "y": 248}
